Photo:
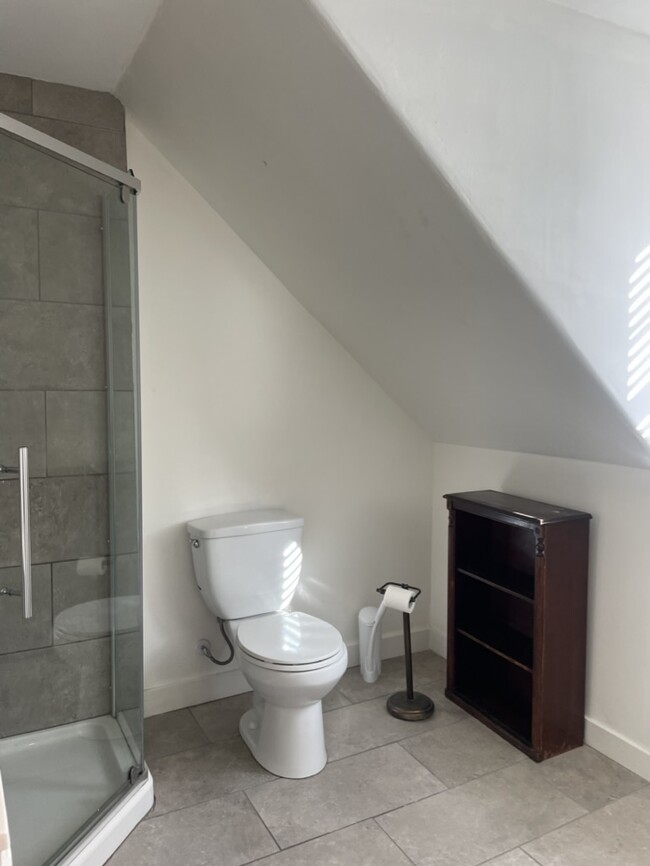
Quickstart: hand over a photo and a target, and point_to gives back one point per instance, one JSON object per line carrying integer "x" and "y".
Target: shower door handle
{"x": 25, "y": 531}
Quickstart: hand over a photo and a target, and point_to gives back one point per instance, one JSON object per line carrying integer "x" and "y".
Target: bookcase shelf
{"x": 517, "y": 617}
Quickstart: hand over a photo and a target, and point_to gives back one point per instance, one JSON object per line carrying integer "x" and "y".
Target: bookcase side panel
{"x": 563, "y": 620}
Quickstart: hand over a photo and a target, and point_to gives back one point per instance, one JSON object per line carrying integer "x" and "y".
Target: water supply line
{"x": 205, "y": 650}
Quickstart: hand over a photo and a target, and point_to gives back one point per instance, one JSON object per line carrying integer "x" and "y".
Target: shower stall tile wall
{"x": 53, "y": 382}
{"x": 86, "y": 119}
{"x": 71, "y": 696}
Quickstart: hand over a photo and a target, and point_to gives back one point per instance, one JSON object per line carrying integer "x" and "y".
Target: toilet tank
{"x": 247, "y": 563}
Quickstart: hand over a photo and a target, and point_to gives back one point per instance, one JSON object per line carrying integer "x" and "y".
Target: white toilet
{"x": 247, "y": 566}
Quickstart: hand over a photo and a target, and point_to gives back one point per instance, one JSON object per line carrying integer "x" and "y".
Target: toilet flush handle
{"x": 195, "y": 542}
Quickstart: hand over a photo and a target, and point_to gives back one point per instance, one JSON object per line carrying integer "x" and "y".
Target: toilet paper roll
{"x": 91, "y": 567}
{"x": 399, "y": 598}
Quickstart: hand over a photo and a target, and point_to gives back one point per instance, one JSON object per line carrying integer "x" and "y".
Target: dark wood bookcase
{"x": 517, "y": 618}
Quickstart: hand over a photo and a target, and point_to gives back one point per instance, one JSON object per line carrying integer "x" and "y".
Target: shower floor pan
{"x": 55, "y": 780}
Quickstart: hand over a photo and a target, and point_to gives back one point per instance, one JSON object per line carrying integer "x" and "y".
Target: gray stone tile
{"x": 461, "y": 752}
{"x": 201, "y": 774}
{"x": 69, "y": 519}
{"x": 355, "y": 689}
{"x": 616, "y": 834}
{"x": 590, "y": 778}
{"x": 77, "y": 104}
{"x": 334, "y": 701}
{"x": 513, "y": 858}
{"x": 10, "y": 522}
{"x": 124, "y": 442}
{"x": 70, "y": 248}
{"x": 16, "y": 633}
{"x": 29, "y": 178}
{"x": 172, "y": 732}
{"x": 126, "y": 513}
{"x": 51, "y": 346}
{"x": 363, "y": 726}
{"x": 363, "y": 844}
{"x": 128, "y": 667}
{"x": 104, "y": 144}
{"x": 344, "y": 793}
{"x": 125, "y": 574}
{"x": 15, "y": 93}
{"x": 22, "y": 422}
{"x": 18, "y": 253}
{"x": 76, "y": 432}
{"x": 121, "y": 333}
{"x": 219, "y": 720}
{"x": 427, "y": 668}
{"x": 75, "y": 583}
{"x": 54, "y": 686}
{"x": 119, "y": 254}
{"x": 488, "y": 816}
{"x": 225, "y": 831}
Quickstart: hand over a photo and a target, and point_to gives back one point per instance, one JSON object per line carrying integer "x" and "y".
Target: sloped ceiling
{"x": 631, "y": 14}
{"x": 261, "y": 109}
{"x": 538, "y": 115}
{"x": 90, "y": 43}
{"x": 86, "y": 43}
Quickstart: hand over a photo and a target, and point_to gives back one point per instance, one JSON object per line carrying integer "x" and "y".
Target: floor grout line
{"x": 588, "y": 813}
{"x": 393, "y": 842}
{"x": 248, "y": 789}
{"x": 268, "y": 829}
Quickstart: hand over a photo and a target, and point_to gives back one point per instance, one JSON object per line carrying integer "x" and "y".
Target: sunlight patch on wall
{"x": 638, "y": 366}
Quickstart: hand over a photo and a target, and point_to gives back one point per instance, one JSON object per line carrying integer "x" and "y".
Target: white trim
{"x": 392, "y": 645}
{"x": 223, "y": 684}
{"x": 618, "y": 748}
{"x": 104, "y": 839}
{"x": 192, "y": 691}
{"x": 438, "y": 642}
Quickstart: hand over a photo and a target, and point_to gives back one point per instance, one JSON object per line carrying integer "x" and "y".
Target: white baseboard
{"x": 617, "y": 747}
{"x": 222, "y": 684}
{"x": 197, "y": 690}
{"x": 392, "y": 645}
{"x": 438, "y": 642}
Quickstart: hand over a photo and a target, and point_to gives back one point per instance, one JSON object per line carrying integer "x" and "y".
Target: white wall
{"x": 539, "y": 117}
{"x": 618, "y": 660}
{"x": 247, "y": 400}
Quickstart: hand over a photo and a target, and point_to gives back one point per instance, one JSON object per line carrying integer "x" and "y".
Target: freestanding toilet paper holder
{"x": 410, "y": 706}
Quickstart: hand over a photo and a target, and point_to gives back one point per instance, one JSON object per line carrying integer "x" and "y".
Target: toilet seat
{"x": 289, "y": 642}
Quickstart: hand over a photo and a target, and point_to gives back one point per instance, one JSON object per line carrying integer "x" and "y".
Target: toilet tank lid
{"x": 244, "y": 523}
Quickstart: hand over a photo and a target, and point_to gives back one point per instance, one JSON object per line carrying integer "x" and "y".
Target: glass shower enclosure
{"x": 71, "y": 693}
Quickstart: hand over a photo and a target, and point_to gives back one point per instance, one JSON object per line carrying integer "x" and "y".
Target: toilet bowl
{"x": 291, "y": 661}
{"x": 247, "y": 566}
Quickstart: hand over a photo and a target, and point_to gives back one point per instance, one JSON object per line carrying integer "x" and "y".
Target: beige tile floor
{"x": 444, "y": 792}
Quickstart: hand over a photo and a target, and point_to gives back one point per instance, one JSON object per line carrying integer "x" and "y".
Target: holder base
{"x": 413, "y": 709}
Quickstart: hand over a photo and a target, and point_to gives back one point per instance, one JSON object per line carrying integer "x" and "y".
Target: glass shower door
{"x": 70, "y": 727}
{"x": 124, "y": 496}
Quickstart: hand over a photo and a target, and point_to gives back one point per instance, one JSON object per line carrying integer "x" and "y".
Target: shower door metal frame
{"x": 91, "y": 165}
{"x": 67, "y": 153}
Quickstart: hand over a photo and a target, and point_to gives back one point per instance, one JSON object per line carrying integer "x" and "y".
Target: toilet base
{"x": 286, "y": 741}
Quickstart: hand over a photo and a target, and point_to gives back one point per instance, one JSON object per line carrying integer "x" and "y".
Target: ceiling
{"x": 632, "y": 14}
{"x": 91, "y": 43}
{"x": 87, "y": 44}
{"x": 301, "y": 155}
